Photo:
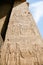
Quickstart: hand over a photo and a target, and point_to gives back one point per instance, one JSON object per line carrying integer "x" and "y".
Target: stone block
{"x": 23, "y": 44}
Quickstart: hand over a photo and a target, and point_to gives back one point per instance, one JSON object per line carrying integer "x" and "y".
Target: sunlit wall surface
{"x": 36, "y": 8}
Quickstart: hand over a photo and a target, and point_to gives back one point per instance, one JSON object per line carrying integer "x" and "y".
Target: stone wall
{"x": 23, "y": 44}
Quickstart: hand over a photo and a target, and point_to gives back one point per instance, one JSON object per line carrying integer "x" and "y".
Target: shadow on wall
{"x": 5, "y": 25}
{"x": 4, "y": 13}
{"x": 4, "y": 8}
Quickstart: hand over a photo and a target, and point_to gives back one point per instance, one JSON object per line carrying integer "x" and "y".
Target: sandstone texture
{"x": 23, "y": 44}
{"x": 1, "y": 43}
{"x": 4, "y": 9}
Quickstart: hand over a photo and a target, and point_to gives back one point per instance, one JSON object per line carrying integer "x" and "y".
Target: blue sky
{"x": 36, "y": 8}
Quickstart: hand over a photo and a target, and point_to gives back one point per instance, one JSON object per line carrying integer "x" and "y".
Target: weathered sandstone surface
{"x": 4, "y": 10}
{"x": 23, "y": 44}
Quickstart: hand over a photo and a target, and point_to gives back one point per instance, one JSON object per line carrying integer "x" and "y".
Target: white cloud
{"x": 37, "y": 10}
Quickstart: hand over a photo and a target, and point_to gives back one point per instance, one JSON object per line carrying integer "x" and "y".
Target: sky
{"x": 36, "y": 9}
